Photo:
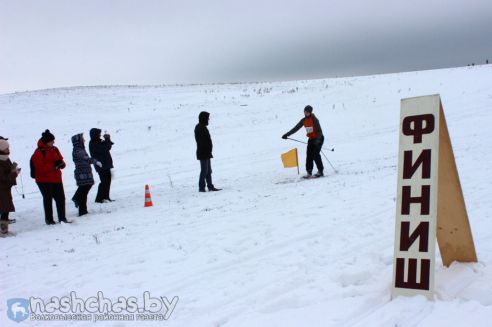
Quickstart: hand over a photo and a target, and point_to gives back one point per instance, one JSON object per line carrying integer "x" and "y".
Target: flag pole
{"x": 297, "y": 162}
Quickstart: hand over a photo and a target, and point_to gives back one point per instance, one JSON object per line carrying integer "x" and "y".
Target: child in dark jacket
{"x": 82, "y": 173}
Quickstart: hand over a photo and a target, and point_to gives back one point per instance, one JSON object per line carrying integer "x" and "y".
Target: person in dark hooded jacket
{"x": 82, "y": 173}
{"x": 204, "y": 152}
{"x": 99, "y": 150}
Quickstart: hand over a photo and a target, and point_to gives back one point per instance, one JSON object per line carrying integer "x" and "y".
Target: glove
{"x": 284, "y": 136}
{"x": 14, "y": 166}
{"x": 99, "y": 164}
{"x": 59, "y": 164}
{"x": 17, "y": 171}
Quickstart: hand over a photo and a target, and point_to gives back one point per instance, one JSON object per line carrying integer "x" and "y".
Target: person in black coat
{"x": 99, "y": 150}
{"x": 204, "y": 152}
{"x": 82, "y": 173}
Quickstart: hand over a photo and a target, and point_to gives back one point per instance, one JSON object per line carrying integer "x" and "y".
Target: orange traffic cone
{"x": 148, "y": 199}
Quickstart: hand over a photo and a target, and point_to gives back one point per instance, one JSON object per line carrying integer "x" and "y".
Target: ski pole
{"x": 296, "y": 140}
{"x": 22, "y": 187}
{"x": 336, "y": 171}
{"x": 333, "y": 149}
{"x": 21, "y": 193}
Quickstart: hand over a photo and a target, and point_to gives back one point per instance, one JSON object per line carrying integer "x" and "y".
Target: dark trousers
{"x": 4, "y": 216}
{"x": 50, "y": 192}
{"x": 4, "y": 223}
{"x": 80, "y": 197}
{"x": 312, "y": 154}
{"x": 205, "y": 174}
{"x": 104, "y": 185}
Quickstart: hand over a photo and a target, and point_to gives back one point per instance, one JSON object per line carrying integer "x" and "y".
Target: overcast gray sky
{"x": 53, "y": 43}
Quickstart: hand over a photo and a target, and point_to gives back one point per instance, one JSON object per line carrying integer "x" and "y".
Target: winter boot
{"x": 213, "y": 189}
{"x": 4, "y": 227}
{"x": 201, "y": 190}
{"x": 319, "y": 174}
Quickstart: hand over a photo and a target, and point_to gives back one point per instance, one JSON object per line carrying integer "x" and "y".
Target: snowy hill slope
{"x": 269, "y": 250}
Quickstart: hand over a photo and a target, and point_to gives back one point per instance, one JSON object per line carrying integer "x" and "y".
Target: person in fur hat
{"x": 8, "y": 175}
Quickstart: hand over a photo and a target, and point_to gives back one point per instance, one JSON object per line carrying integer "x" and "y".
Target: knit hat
{"x": 47, "y": 137}
{"x": 4, "y": 145}
{"x": 308, "y": 109}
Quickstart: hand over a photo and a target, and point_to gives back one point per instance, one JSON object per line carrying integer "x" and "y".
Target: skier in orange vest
{"x": 315, "y": 142}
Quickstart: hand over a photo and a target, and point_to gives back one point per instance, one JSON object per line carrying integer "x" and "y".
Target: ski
{"x": 311, "y": 177}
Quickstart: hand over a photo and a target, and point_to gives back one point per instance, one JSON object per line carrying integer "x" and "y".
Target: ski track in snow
{"x": 270, "y": 249}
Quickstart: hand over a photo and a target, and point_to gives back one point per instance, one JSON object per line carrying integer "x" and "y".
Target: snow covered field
{"x": 268, "y": 250}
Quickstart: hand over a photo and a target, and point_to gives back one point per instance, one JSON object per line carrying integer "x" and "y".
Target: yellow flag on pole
{"x": 290, "y": 159}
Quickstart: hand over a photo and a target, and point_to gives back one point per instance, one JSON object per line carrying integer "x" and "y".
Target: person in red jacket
{"x": 48, "y": 163}
{"x": 315, "y": 141}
